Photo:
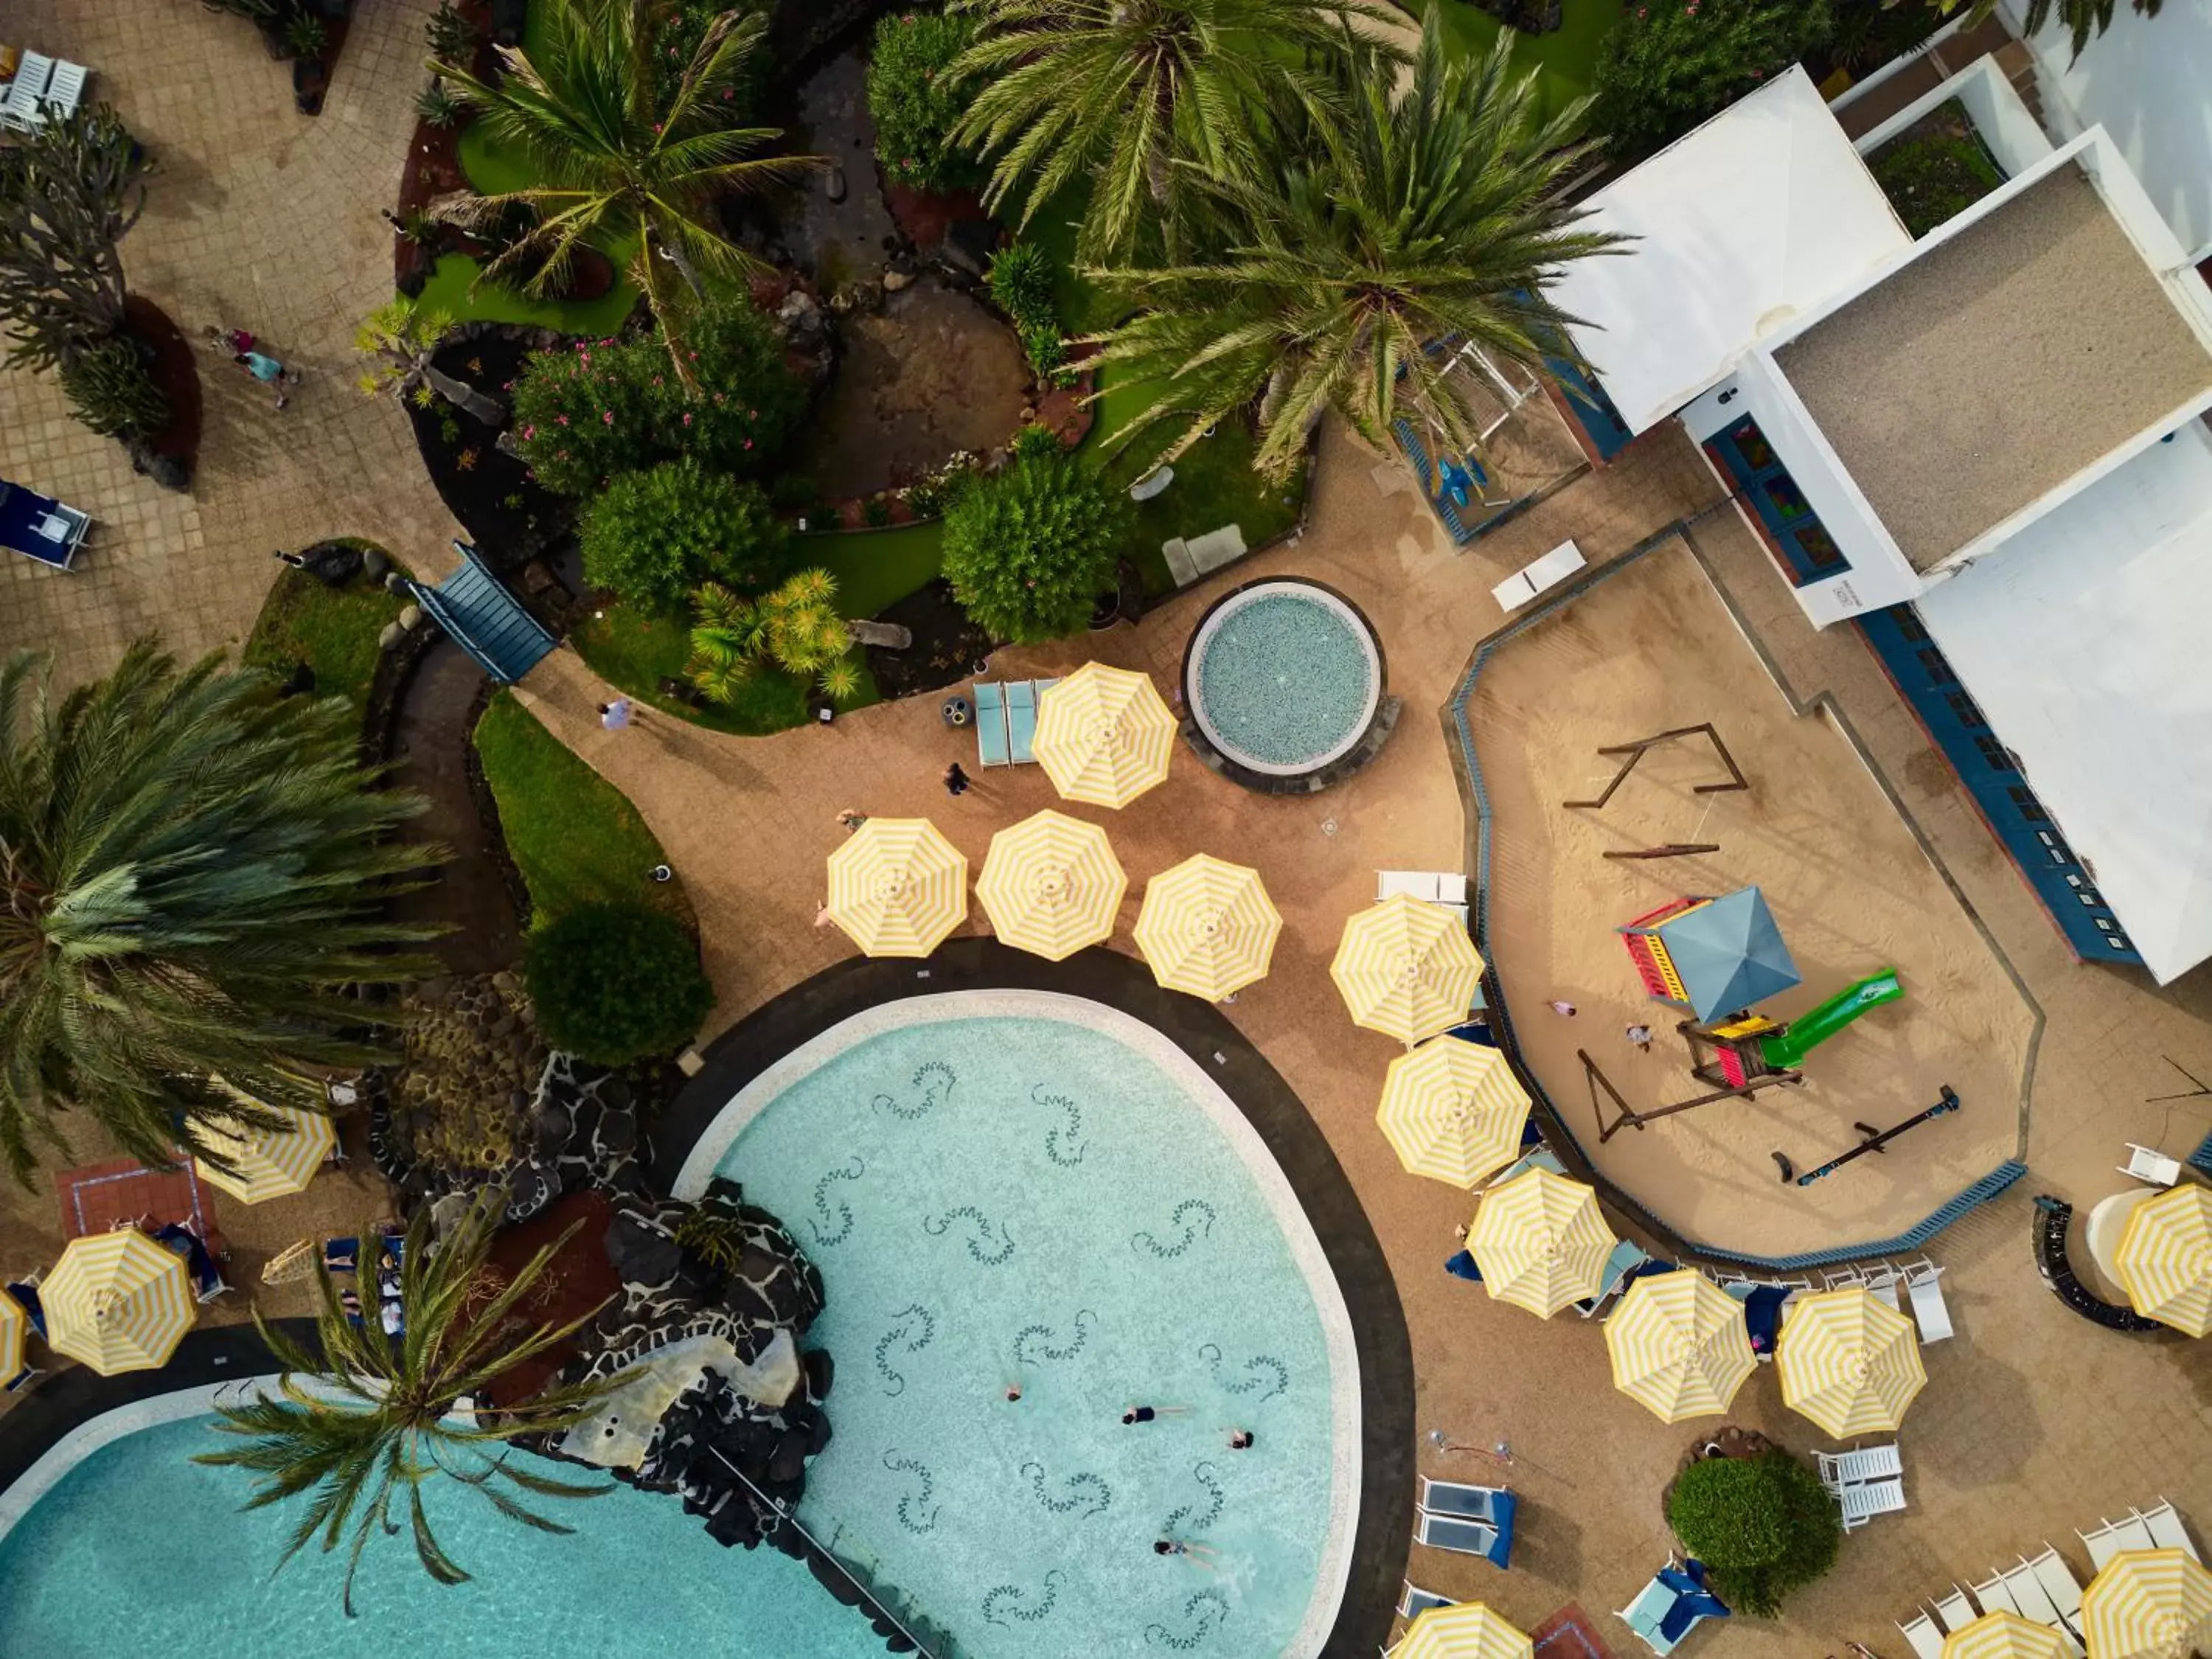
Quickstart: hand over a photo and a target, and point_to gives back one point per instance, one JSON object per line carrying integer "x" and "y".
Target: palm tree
{"x": 371, "y": 1421}
{"x": 400, "y": 340}
{"x": 1432, "y": 217}
{"x": 621, "y": 160}
{"x": 2083, "y": 18}
{"x": 1119, "y": 91}
{"x": 190, "y": 868}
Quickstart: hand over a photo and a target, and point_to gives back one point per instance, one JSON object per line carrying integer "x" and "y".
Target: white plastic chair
{"x": 64, "y": 90}
{"x": 2146, "y": 1165}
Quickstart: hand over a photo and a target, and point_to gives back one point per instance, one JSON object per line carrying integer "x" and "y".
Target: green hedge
{"x": 615, "y": 982}
{"x": 1763, "y": 1526}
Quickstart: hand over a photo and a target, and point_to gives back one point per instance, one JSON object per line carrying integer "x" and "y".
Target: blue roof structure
{"x": 1729, "y": 953}
{"x": 484, "y": 619}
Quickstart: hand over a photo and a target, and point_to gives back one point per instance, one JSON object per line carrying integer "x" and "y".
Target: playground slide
{"x": 1814, "y": 1027}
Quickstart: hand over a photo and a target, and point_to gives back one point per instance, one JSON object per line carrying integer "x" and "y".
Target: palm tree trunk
{"x": 463, "y": 396}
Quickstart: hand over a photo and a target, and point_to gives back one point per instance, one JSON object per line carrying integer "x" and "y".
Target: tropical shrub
{"x": 795, "y": 628}
{"x": 1934, "y": 173}
{"x": 656, "y": 535}
{"x": 110, "y": 389}
{"x": 1764, "y": 1526}
{"x": 600, "y": 407}
{"x": 613, "y": 982}
{"x": 1030, "y": 548}
{"x": 1033, "y": 441}
{"x": 1666, "y": 67}
{"x": 192, "y": 872}
{"x": 435, "y": 106}
{"x": 916, "y": 100}
{"x": 449, "y": 35}
{"x": 1021, "y": 282}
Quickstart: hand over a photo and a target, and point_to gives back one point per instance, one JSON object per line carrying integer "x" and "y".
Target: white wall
{"x": 1880, "y": 574}
{"x": 2148, "y": 80}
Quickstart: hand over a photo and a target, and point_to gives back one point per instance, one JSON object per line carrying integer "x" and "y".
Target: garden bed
{"x": 1935, "y": 169}
{"x": 175, "y": 372}
{"x": 333, "y": 631}
{"x": 948, "y": 646}
{"x": 508, "y": 516}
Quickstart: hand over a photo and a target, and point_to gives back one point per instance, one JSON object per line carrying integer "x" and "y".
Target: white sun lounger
{"x": 2060, "y": 1584}
{"x": 2147, "y": 1164}
{"x": 1460, "y": 1498}
{"x": 2114, "y": 1536}
{"x": 1446, "y": 1532}
{"x": 64, "y": 91}
{"x": 1415, "y": 1600}
{"x": 1954, "y": 1612}
{"x": 20, "y": 109}
{"x": 2033, "y": 1601}
{"x": 1994, "y": 1596}
{"x": 2167, "y": 1530}
{"x": 1923, "y": 1283}
{"x": 1927, "y": 1641}
{"x": 1860, "y": 1504}
{"x": 1856, "y": 1468}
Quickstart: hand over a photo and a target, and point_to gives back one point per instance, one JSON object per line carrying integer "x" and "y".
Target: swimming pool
{"x": 1010, "y": 1187}
{"x": 1283, "y": 677}
{"x": 136, "y": 1550}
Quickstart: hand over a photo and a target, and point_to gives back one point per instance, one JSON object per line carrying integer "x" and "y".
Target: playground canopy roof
{"x": 1729, "y": 953}
{"x": 2083, "y": 644}
{"x": 1760, "y": 214}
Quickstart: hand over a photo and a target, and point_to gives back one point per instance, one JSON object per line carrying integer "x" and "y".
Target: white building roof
{"x": 1760, "y": 214}
{"x": 2083, "y": 640}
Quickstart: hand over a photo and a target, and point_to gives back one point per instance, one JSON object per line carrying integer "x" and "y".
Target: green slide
{"x": 1816, "y": 1025}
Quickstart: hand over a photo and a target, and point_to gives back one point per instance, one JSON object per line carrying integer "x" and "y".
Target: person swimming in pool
{"x": 1200, "y": 1554}
{"x": 1240, "y": 1440}
{"x": 1147, "y": 1413}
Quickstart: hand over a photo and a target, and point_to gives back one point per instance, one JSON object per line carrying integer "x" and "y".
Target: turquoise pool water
{"x": 1284, "y": 677}
{"x": 1017, "y": 1199}
{"x": 138, "y": 1551}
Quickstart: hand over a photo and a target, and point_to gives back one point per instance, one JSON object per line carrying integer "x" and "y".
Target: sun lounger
{"x": 1925, "y": 1286}
{"x": 2146, "y": 1165}
{"x": 1415, "y": 1600}
{"x": 1953, "y": 1612}
{"x": 1860, "y": 1504}
{"x": 2114, "y": 1536}
{"x": 342, "y": 1256}
{"x": 1994, "y": 1597}
{"x": 1021, "y": 721}
{"x": 1855, "y": 1468}
{"x": 2060, "y": 1584}
{"x": 1540, "y": 1158}
{"x": 1762, "y": 1317}
{"x": 1926, "y": 1641}
{"x": 1647, "y": 1613}
{"x": 990, "y": 745}
{"x": 1881, "y": 1284}
{"x": 1446, "y": 1532}
{"x": 40, "y": 528}
{"x": 63, "y": 91}
{"x": 20, "y": 109}
{"x": 1626, "y": 1259}
{"x": 2166, "y": 1529}
{"x": 2034, "y": 1601}
{"x": 1457, "y": 1498}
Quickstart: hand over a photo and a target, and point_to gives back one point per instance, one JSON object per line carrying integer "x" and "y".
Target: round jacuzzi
{"x": 1284, "y": 677}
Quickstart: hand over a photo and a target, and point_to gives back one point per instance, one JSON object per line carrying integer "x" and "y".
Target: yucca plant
{"x": 435, "y": 105}
{"x": 451, "y": 36}
{"x": 400, "y": 340}
{"x": 1117, "y": 92}
{"x": 191, "y": 870}
{"x": 1348, "y": 278}
{"x": 621, "y": 160}
{"x": 795, "y": 626}
{"x": 360, "y": 1428}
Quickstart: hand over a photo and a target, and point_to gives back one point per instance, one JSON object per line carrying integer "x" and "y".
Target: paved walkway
{"x": 261, "y": 218}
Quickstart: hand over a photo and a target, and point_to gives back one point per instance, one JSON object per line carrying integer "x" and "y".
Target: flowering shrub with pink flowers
{"x": 587, "y": 412}
{"x": 1671, "y": 64}
{"x": 682, "y": 26}
{"x": 916, "y": 100}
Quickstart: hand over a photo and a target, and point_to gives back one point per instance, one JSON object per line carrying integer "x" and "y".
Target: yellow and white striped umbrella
{"x": 1453, "y": 1111}
{"x": 2002, "y": 1635}
{"x": 1465, "y": 1630}
{"x": 2165, "y": 1258}
{"x": 1207, "y": 926}
{"x": 14, "y": 1325}
{"x": 1051, "y": 885}
{"x": 1540, "y": 1242}
{"x": 271, "y": 1163}
{"x": 1406, "y": 968}
{"x": 1680, "y": 1346}
{"x": 1847, "y": 1361}
{"x": 898, "y": 887}
{"x": 1104, "y": 735}
{"x": 118, "y": 1301}
{"x": 2148, "y": 1604}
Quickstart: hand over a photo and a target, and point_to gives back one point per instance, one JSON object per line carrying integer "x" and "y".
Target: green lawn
{"x": 876, "y": 569}
{"x": 333, "y": 630}
{"x": 454, "y": 290}
{"x": 1566, "y": 58}
{"x": 574, "y": 836}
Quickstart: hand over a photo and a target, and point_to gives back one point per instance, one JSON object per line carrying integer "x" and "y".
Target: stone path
{"x": 261, "y": 218}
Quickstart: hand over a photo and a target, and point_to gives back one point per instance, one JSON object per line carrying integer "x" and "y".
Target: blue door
{"x": 1793, "y": 531}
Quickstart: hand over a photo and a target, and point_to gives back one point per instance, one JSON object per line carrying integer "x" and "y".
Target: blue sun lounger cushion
{"x": 990, "y": 745}
{"x": 1021, "y": 721}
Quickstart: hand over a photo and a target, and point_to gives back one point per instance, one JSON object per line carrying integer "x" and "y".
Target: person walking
{"x": 1564, "y": 1009}
{"x": 849, "y": 820}
{"x": 1641, "y": 1036}
{"x": 615, "y": 716}
{"x": 271, "y": 372}
{"x": 955, "y": 780}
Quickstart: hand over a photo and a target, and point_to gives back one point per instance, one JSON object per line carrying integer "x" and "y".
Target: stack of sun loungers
{"x": 1467, "y": 1520}
{"x": 1864, "y": 1483}
{"x": 43, "y": 90}
{"x": 1887, "y": 1282}
{"x": 1006, "y": 719}
{"x": 1675, "y": 1603}
{"x": 2043, "y": 1588}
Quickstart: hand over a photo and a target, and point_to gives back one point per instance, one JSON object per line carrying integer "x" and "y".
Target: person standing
{"x": 1564, "y": 1009}
{"x": 271, "y": 372}
{"x": 615, "y": 716}
{"x": 955, "y": 780}
{"x": 1640, "y": 1034}
{"x": 849, "y": 820}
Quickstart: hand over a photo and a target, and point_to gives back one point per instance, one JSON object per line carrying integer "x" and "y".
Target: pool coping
{"x": 1382, "y": 1524}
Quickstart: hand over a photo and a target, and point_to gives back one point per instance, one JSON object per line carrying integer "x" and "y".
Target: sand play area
{"x": 1648, "y": 647}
